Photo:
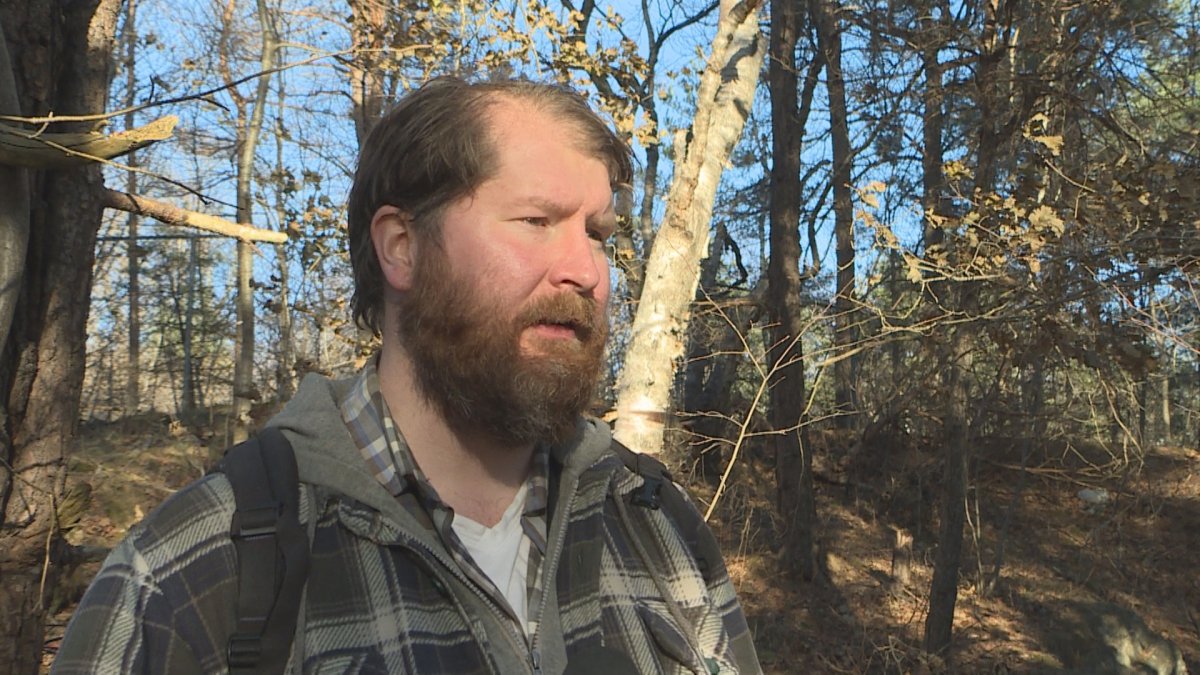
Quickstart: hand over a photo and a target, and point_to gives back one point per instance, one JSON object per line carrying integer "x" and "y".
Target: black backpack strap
{"x": 659, "y": 491}
{"x": 272, "y": 551}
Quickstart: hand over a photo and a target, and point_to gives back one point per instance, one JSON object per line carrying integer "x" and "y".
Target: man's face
{"x": 506, "y": 319}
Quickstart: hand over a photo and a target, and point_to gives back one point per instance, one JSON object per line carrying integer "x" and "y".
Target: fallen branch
{"x": 40, "y": 150}
{"x": 173, "y": 215}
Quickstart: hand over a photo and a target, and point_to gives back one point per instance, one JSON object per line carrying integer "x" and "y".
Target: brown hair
{"x": 434, "y": 147}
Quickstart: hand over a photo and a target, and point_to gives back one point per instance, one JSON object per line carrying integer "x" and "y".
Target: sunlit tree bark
{"x": 249, "y": 123}
{"x": 659, "y": 332}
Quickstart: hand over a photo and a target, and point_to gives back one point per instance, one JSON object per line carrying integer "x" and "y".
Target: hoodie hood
{"x": 327, "y": 456}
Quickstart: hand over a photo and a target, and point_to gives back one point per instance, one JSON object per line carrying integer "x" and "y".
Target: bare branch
{"x": 173, "y": 215}
{"x": 695, "y": 18}
{"x": 200, "y": 95}
{"x": 37, "y": 150}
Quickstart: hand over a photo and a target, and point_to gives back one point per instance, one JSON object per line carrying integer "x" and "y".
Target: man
{"x": 464, "y": 516}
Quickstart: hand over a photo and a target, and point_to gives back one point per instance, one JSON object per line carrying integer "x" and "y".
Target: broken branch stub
{"x": 173, "y": 215}
{"x": 49, "y": 150}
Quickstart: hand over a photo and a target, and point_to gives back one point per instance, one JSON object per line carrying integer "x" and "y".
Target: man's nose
{"x": 579, "y": 260}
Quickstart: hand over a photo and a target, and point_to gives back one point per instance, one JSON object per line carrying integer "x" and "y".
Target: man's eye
{"x": 539, "y": 221}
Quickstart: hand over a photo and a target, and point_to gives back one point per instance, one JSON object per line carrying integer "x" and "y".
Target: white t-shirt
{"x": 501, "y": 552}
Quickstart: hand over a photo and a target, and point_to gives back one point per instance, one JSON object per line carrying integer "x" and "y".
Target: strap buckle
{"x": 244, "y": 651}
{"x": 257, "y": 522}
{"x": 647, "y": 494}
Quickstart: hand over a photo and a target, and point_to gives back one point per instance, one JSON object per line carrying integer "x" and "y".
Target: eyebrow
{"x": 546, "y": 204}
{"x": 607, "y": 220}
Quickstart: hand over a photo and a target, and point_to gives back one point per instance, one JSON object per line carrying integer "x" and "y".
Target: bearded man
{"x": 463, "y": 515}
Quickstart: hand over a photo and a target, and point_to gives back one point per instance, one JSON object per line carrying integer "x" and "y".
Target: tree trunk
{"x": 133, "y": 375}
{"x": 635, "y": 270}
{"x": 14, "y": 208}
{"x": 60, "y": 61}
{"x": 185, "y": 307}
{"x": 786, "y": 354}
{"x": 285, "y": 375}
{"x": 1165, "y": 358}
{"x": 829, "y": 42}
{"x": 715, "y": 350}
{"x": 244, "y": 391}
{"x": 933, "y": 179}
{"x": 944, "y": 588}
{"x": 902, "y": 560}
{"x": 659, "y": 332}
{"x": 368, "y": 32}
{"x": 943, "y": 591}
{"x": 1167, "y": 436}
{"x": 1142, "y": 401}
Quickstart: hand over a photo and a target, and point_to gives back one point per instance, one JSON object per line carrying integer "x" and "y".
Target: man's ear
{"x": 392, "y": 235}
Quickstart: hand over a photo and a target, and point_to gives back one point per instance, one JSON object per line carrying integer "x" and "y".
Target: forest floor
{"x": 1137, "y": 550}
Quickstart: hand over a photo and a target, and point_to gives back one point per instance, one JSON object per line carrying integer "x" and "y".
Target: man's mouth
{"x": 558, "y": 329}
{"x": 563, "y": 319}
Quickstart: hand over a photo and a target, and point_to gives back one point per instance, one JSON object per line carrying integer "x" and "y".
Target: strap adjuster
{"x": 647, "y": 494}
{"x": 257, "y": 522}
{"x": 244, "y": 651}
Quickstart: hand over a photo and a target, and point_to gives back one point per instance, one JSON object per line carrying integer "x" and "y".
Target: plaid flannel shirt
{"x": 385, "y": 593}
{"x": 385, "y": 451}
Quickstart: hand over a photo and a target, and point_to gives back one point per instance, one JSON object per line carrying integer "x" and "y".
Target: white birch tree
{"x": 659, "y": 334}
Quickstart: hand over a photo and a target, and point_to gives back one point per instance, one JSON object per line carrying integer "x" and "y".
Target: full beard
{"x": 465, "y": 349}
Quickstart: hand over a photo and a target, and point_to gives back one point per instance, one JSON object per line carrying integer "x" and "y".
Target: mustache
{"x": 567, "y": 309}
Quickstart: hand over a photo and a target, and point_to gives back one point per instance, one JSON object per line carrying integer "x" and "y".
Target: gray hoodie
{"x": 384, "y": 596}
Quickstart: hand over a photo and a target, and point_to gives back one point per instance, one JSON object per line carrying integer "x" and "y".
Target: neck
{"x": 473, "y": 473}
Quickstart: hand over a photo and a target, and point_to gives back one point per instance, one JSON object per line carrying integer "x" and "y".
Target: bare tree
{"x": 285, "y": 376}
{"x": 626, "y": 87}
{"x": 994, "y": 130}
{"x": 793, "y": 451}
{"x": 659, "y": 334}
{"x": 133, "y": 255}
{"x": 250, "y": 113}
{"x": 61, "y": 53}
{"x": 370, "y": 22}
{"x": 829, "y": 41}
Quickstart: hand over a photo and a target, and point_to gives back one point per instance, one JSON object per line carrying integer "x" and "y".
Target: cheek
{"x": 522, "y": 272}
{"x": 505, "y": 276}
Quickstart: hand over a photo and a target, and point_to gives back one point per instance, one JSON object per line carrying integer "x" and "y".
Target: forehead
{"x": 539, "y": 150}
{"x": 508, "y": 117}
{"x": 516, "y": 123}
